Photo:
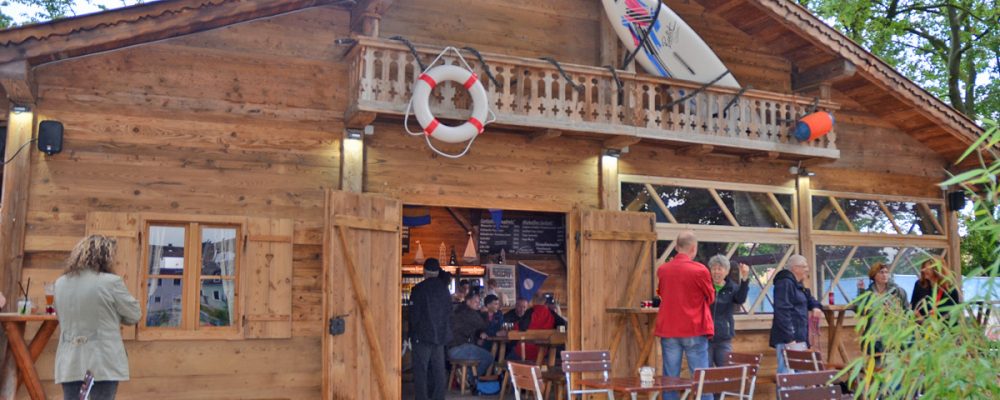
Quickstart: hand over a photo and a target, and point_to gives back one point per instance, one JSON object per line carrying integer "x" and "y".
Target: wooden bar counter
{"x": 25, "y": 354}
{"x": 630, "y": 322}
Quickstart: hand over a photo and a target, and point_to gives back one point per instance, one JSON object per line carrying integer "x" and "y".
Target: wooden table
{"x": 633, "y": 386}
{"x": 630, "y": 319}
{"x": 25, "y": 354}
{"x": 499, "y": 351}
{"x": 545, "y": 339}
{"x": 835, "y": 321}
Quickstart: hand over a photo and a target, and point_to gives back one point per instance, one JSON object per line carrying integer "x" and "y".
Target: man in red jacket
{"x": 684, "y": 323}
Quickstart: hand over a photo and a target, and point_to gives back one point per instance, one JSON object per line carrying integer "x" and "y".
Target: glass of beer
{"x": 50, "y": 298}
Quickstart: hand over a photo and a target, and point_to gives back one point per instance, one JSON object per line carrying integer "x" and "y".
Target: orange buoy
{"x": 813, "y": 126}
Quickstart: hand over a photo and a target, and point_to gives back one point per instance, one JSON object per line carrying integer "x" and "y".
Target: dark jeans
{"x": 102, "y": 390}
{"x": 429, "y": 378}
{"x": 718, "y": 352}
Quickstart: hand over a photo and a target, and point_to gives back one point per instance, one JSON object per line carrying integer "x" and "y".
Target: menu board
{"x": 406, "y": 239}
{"x": 506, "y": 285}
{"x": 522, "y": 233}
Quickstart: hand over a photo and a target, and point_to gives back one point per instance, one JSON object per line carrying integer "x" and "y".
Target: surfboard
{"x": 673, "y": 50}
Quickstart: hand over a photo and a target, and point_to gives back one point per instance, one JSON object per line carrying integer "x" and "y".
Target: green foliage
{"x": 950, "y": 47}
{"x": 979, "y": 249}
{"x": 946, "y": 355}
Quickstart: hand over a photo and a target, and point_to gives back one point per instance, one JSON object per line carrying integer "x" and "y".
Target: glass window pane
{"x": 905, "y": 264}
{"x": 764, "y": 260}
{"x": 166, "y": 250}
{"x": 218, "y": 251}
{"x": 216, "y": 305}
{"x": 635, "y": 197}
{"x": 163, "y": 303}
{"x": 757, "y": 209}
{"x": 692, "y": 205}
{"x": 868, "y": 216}
{"x": 915, "y": 218}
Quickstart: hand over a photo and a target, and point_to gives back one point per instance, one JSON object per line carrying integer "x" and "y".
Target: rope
{"x": 645, "y": 37}
{"x": 621, "y": 87}
{"x": 695, "y": 92}
{"x": 733, "y": 101}
{"x": 482, "y": 62}
{"x": 578, "y": 87}
{"x": 413, "y": 50}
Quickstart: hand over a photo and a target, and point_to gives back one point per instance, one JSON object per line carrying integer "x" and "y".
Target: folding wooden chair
{"x": 816, "y": 385}
{"x": 525, "y": 377}
{"x": 581, "y": 362}
{"x": 804, "y": 360}
{"x": 727, "y": 381}
{"x": 753, "y": 362}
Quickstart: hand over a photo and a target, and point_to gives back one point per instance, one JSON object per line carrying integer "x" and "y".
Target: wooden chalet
{"x": 235, "y": 130}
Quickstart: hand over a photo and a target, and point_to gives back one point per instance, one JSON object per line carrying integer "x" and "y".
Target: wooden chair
{"x": 525, "y": 377}
{"x": 728, "y": 381}
{"x": 534, "y": 335}
{"x": 753, "y": 363}
{"x": 463, "y": 366}
{"x": 816, "y": 385}
{"x": 804, "y": 360}
{"x": 583, "y": 362}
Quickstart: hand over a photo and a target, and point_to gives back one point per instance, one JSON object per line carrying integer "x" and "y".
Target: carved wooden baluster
{"x": 367, "y": 74}
{"x": 553, "y": 91}
{"x": 399, "y": 81}
{"x": 649, "y": 107}
{"x": 719, "y": 122}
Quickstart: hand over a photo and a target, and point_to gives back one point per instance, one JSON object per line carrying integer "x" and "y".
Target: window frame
{"x": 190, "y": 327}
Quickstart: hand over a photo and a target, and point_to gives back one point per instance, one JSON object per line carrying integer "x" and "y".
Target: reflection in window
{"x": 218, "y": 251}
{"x": 216, "y": 311}
{"x": 699, "y": 206}
{"x": 874, "y": 216}
{"x": 855, "y": 262}
{"x": 164, "y": 306}
{"x": 166, "y": 250}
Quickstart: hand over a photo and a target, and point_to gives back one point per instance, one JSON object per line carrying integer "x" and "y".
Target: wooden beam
{"x": 18, "y": 80}
{"x": 760, "y": 156}
{"x": 366, "y": 14}
{"x": 659, "y": 203}
{"x": 155, "y": 21}
{"x": 462, "y": 221}
{"x": 722, "y": 205}
{"x": 357, "y": 119}
{"x": 695, "y": 150}
{"x": 803, "y": 214}
{"x": 610, "y": 189}
{"x": 826, "y": 73}
{"x": 544, "y": 135}
{"x": 620, "y": 142}
{"x": 352, "y": 164}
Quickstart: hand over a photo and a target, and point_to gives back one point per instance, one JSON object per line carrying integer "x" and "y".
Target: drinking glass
{"x": 50, "y": 298}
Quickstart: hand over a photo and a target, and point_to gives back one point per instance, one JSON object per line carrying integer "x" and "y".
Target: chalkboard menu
{"x": 406, "y": 239}
{"x": 522, "y": 233}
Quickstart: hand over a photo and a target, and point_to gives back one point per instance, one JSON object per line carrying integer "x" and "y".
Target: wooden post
{"x": 352, "y": 164}
{"x": 806, "y": 247}
{"x": 954, "y": 258}
{"x": 610, "y": 196}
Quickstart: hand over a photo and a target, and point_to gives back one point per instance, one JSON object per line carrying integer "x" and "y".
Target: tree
{"x": 947, "y": 354}
{"x": 979, "y": 248}
{"x": 47, "y": 10}
{"x": 950, "y": 47}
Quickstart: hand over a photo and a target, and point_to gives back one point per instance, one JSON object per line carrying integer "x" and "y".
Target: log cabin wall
{"x": 246, "y": 120}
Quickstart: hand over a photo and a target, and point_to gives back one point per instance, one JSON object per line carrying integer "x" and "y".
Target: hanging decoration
{"x": 470, "y": 251}
{"x": 442, "y": 252}
{"x": 433, "y": 75}
{"x": 497, "y": 215}
{"x": 416, "y": 216}
{"x": 418, "y": 258}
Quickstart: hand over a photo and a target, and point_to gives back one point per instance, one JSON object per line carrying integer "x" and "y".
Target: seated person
{"x": 468, "y": 331}
{"x": 540, "y": 317}
{"x": 520, "y": 315}
{"x": 494, "y": 318}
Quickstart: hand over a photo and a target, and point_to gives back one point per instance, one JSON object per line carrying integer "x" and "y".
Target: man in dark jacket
{"x": 430, "y": 330}
{"x": 469, "y": 329}
{"x": 792, "y": 304}
{"x": 728, "y": 296}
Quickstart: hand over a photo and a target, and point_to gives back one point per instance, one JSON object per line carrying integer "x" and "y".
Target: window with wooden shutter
{"x": 267, "y": 278}
{"x": 124, "y": 228}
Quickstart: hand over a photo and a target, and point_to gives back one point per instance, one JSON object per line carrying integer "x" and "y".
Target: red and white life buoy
{"x": 421, "y": 107}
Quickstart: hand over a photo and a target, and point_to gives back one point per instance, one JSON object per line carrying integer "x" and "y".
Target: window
{"x": 197, "y": 259}
{"x": 753, "y": 224}
{"x": 874, "y": 215}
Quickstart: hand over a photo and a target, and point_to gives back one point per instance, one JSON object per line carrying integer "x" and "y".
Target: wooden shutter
{"x": 616, "y": 271}
{"x": 267, "y": 279}
{"x": 361, "y": 271}
{"x": 124, "y": 227}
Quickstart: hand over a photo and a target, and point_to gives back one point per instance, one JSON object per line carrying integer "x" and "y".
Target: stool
{"x": 464, "y": 365}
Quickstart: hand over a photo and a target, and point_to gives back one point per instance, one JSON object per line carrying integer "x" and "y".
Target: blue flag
{"x": 529, "y": 280}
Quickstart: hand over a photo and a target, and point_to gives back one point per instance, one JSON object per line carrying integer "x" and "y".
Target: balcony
{"x": 532, "y": 96}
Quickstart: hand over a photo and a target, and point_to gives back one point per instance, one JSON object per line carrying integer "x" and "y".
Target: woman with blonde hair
{"x": 92, "y": 303}
{"x": 934, "y": 289}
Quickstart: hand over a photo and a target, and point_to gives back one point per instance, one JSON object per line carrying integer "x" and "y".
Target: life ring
{"x": 421, "y": 107}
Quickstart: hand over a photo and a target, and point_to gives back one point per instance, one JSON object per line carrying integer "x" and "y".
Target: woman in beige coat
{"x": 92, "y": 304}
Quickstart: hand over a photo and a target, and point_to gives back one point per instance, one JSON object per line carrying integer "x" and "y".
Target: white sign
{"x": 506, "y": 284}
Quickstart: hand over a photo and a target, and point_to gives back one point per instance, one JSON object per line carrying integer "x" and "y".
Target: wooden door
{"x": 361, "y": 284}
{"x": 616, "y": 271}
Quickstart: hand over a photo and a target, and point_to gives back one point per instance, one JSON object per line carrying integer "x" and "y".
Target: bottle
{"x": 831, "y": 298}
{"x": 503, "y": 256}
{"x": 453, "y": 260}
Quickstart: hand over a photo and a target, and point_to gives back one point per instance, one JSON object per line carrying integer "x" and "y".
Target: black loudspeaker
{"x": 956, "y": 200}
{"x": 50, "y": 137}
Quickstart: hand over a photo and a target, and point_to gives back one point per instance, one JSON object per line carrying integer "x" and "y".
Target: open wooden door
{"x": 361, "y": 285}
{"x": 615, "y": 271}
